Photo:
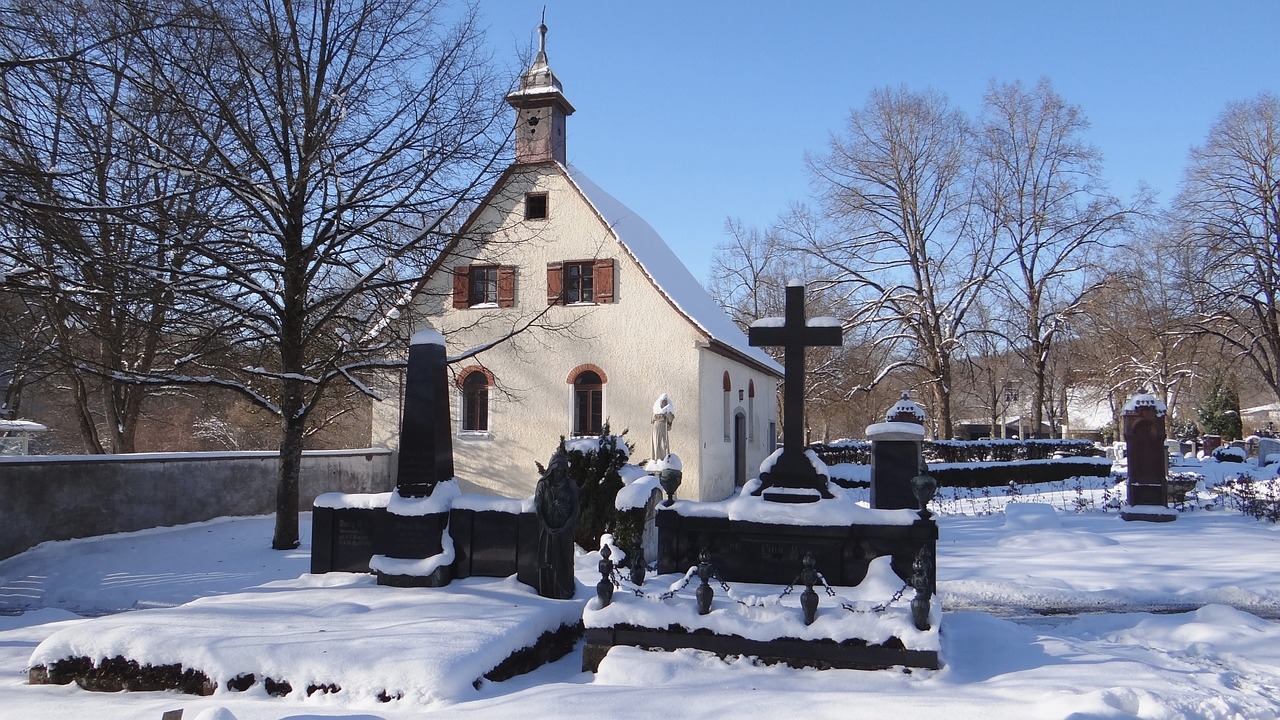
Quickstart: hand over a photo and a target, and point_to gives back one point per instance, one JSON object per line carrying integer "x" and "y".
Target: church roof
{"x": 667, "y": 273}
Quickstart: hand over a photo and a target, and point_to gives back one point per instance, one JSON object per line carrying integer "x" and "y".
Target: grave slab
{"x": 420, "y": 644}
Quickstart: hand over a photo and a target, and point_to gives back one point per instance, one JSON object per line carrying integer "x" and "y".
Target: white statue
{"x": 664, "y": 413}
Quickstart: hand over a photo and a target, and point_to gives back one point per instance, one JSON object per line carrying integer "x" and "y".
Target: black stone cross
{"x": 792, "y": 469}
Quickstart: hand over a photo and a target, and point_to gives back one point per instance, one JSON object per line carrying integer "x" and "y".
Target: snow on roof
{"x": 1268, "y": 408}
{"x": 1088, "y": 408}
{"x": 21, "y": 426}
{"x": 666, "y": 271}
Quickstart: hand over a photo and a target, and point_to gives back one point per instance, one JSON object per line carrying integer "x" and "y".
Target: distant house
{"x": 597, "y": 318}
{"x": 1261, "y": 417}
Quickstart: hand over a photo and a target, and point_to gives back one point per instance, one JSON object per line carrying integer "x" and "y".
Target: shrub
{"x": 1257, "y": 499}
{"x": 858, "y": 452}
{"x": 1021, "y": 473}
{"x": 593, "y": 465}
{"x": 1227, "y": 453}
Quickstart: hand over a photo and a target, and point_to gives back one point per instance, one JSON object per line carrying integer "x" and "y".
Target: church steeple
{"x": 541, "y": 108}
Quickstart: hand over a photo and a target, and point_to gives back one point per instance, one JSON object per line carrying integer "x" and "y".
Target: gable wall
{"x": 643, "y": 345}
{"x": 717, "y": 452}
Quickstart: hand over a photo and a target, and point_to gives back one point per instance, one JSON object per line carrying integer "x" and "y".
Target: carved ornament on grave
{"x": 905, "y": 410}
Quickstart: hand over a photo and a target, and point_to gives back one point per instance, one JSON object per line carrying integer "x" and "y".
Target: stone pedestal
{"x": 1143, "y": 421}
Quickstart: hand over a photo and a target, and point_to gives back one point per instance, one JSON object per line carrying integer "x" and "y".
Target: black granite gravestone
{"x": 426, "y": 441}
{"x": 792, "y": 469}
{"x": 896, "y": 455}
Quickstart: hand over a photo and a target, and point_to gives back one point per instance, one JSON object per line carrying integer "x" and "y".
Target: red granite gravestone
{"x": 1211, "y": 443}
{"x": 1143, "y": 420}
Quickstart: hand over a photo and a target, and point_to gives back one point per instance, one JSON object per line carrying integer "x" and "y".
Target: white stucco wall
{"x": 643, "y": 345}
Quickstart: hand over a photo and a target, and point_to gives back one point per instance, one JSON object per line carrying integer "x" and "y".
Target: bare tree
{"x": 98, "y": 231}
{"x": 1135, "y": 335}
{"x": 895, "y": 186}
{"x": 991, "y": 371}
{"x": 747, "y": 273}
{"x": 1229, "y": 222}
{"x": 346, "y": 137}
{"x": 1040, "y": 195}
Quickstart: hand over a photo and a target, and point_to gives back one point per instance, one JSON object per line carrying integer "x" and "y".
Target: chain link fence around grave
{"x": 808, "y": 577}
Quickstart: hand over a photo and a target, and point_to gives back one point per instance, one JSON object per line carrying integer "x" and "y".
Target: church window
{"x": 535, "y": 206}
{"x": 728, "y": 403}
{"x": 475, "y": 402}
{"x": 484, "y": 286}
{"x": 580, "y": 282}
{"x": 751, "y": 410}
{"x": 588, "y": 403}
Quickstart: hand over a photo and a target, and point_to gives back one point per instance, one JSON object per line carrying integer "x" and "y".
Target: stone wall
{"x": 59, "y": 497}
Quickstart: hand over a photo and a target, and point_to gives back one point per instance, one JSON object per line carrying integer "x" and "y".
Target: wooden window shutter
{"x": 604, "y": 280}
{"x": 555, "y": 283}
{"x": 506, "y": 286}
{"x": 461, "y": 274}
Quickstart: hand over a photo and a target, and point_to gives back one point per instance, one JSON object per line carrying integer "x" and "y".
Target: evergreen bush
{"x": 593, "y": 465}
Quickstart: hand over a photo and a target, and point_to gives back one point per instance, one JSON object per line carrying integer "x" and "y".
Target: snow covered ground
{"x": 1170, "y": 620}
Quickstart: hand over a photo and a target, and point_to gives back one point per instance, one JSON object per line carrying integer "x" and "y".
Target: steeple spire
{"x": 541, "y": 108}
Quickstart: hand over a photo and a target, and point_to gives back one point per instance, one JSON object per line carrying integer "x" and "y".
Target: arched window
{"x": 588, "y": 403}
{"x": 751, "y": 409}
{"x": 728, "y": 404}
{"x": 475, "y": 402}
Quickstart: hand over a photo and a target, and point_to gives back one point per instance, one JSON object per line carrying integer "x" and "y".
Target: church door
{"x": 739, "y": 450}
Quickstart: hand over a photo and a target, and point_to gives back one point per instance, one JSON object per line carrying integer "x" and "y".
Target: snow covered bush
{"x": 1227, "y": 453}
{"x": 1256, "y": 498}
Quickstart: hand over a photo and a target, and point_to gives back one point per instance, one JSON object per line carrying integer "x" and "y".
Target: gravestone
{"x": 1143, "y": 418}
{"x": 1209, "y": 444}
{"x": 751, "y": 538}
{"x": 426, "y": 439}
{"x": 492, "y": 537}
{"x": 792, "y": 477}
{"x": 896, "y": 455}
{"x": 1267, "y": 447}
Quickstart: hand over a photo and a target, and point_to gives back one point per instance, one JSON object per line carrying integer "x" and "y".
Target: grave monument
{"x": 788, "y": 525}
{"x": 401, "y": 536}
{"x": 897, "y": 455}
{"x": 792, "y": 476}
{"x": 1143, "y": 419}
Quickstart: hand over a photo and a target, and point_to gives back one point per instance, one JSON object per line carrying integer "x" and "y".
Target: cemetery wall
{"x": 59, "y": 497}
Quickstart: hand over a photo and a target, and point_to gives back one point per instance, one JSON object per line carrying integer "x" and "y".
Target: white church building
{"x": 563, "y": 310}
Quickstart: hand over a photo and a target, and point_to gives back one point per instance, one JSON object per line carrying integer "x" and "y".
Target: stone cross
{"x": 794, "y": 333}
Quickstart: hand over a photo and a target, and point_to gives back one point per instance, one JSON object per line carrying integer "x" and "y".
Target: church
{"x": 563, "y": 310}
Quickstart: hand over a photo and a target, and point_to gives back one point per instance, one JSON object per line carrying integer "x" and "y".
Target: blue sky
{"x": 692, "y": 112}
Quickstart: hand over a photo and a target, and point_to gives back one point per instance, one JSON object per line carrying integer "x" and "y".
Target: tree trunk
{"x": 1039, "y": 369}
{"x": 84, "y": 414}
{"x": 286, "y": 529}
